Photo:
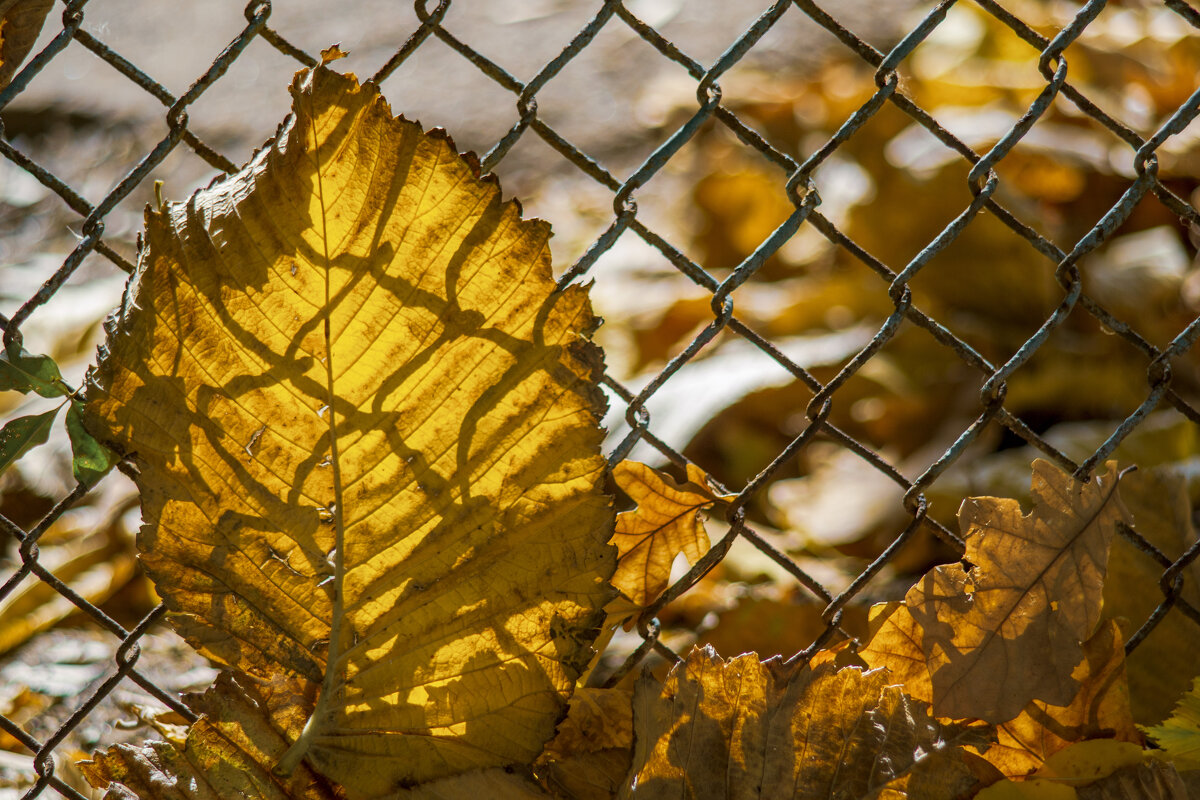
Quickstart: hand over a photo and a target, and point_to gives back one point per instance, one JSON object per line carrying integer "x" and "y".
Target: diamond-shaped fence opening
{"x": 857, "y": 268}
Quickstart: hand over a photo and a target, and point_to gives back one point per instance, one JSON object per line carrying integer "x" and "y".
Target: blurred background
{"x": 889, "y": 184}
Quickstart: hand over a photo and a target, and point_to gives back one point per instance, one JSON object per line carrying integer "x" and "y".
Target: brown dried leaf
{"x": 746, "y": 729}
{"x": 896, "y": 643}
{"x": 20, "y": 23}
{"x": 592, "y": 753}
{"x": 1007, "y": 627}
{"x": 666, "y": 522}
{"x": 1100, "y": 710}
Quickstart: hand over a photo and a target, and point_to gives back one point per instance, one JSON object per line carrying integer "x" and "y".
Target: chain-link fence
{"x": 795, "y": 171}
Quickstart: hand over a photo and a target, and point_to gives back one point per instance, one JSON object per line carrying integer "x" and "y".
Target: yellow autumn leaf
{"x": 1149, "y": 780}
{"x": 1033, "y": 789}
{"x": 365, "y": 425}
{"x": 246, "y": 726}
{"x": 1100, "y": 710}
{"x": 1086, "y": 762}
{"x": 667, "y": 521}
{"x": 20, "y": 23}
{"x": 1008, "y": 627}
{"x": 748, "y": 729}
{"x": 1179, "y": 734}
{"x": 1098, "y": 769}
{"x": 896, "y": 642}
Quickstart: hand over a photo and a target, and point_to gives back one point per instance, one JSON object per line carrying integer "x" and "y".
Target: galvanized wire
{"x": 796, "y": 180}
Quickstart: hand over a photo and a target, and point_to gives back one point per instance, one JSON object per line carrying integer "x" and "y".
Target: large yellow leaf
{"x": 748, "y": 729}
{"x": 365, "y": 424}
{"x": 1007, "y": 627}
{"x": 20, "y": 23}
{"x": 666, "y": 522}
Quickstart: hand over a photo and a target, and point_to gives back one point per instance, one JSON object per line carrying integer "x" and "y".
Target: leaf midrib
{"x": 313, "y": 726}
{"x": 338, "y": 508}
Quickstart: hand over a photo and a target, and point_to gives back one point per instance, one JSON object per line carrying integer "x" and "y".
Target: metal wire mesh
{"x": 796, "y": 177}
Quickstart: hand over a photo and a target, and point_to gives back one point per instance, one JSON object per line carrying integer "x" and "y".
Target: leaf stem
{"x": 293, "y": 756}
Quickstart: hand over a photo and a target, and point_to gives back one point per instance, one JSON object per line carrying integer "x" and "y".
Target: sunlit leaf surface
{"x": 365, "y": 423}
{"x": 666, "y": 522}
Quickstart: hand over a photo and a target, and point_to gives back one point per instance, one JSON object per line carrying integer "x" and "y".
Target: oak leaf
{"x": 748, "y": 729}
{"x": 364, "y": 420}
{"x": 1007, "y": 627}
{"x": 20, "y": 23}
{"x": 668, "y": 521}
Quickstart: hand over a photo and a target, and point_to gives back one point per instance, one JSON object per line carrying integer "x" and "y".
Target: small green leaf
{"x": 1179, "y": 735}
{"x": 23, "y": 433}
{"x": 91, "y": 460}
{"x": 23, "y": 371}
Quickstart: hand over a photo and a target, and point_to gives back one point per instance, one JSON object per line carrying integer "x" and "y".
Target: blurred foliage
{"x": 891, "y": 188}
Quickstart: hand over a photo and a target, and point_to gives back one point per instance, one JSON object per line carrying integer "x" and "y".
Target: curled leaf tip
{"x": 332, "y": 53}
